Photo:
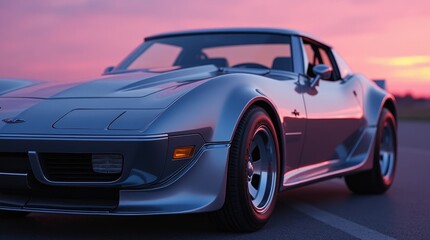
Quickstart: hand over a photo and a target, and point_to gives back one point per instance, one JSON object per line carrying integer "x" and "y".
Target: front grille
{"x": 71, "y": 198}
{"x": 72, "y": 167}
{"x": 14, "y": 163}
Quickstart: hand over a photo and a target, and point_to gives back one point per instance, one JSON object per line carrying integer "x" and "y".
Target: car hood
{"x": 123, "y": 85}
{"x": 120, "y": 102}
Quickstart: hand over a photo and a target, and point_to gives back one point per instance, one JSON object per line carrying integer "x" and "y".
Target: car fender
{"x": 374, "y": 101}
{"x": 213, "y": 109}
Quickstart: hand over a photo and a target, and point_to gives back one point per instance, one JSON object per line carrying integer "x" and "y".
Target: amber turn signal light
{"x": 183, "y": 152}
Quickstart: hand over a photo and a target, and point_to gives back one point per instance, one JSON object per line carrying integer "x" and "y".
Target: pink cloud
{"x": 59, "y": 39}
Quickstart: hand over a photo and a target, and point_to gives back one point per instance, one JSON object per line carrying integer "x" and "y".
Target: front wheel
{"x": 252, "y": 181}
{"x": 381, "y": 176}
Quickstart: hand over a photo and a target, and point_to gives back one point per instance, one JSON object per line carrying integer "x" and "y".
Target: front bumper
{"x": 149, "y": 183}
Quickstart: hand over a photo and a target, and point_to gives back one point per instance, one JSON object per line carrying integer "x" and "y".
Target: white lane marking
{"x": 351, "y": 228}
{"x": 415, "y": 150}
{"x": 293, "y": 133}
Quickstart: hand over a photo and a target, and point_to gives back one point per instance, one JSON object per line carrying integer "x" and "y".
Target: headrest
{"x": 282, "y": 63}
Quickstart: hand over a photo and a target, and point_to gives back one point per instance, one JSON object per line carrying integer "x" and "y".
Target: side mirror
{"x": 321, "y": 71}
{"x": 108, "y": 70}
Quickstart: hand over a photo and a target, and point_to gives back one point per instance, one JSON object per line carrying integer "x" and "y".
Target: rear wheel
{"x": 252, "y": 183}
{"x": 381, "y": 176}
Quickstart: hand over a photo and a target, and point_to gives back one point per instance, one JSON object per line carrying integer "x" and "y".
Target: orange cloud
{"x": 405, "y": 61}
{"x": 422, "y": 73}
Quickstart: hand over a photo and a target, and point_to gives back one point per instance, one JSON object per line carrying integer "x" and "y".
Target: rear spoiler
{"x": 381, "y": 83}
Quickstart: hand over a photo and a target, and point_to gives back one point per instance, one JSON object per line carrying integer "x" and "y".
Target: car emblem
{"x": 13, "y": 120}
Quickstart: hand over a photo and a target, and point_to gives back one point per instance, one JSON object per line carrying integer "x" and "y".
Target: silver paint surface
{"x": 324, "y": 131}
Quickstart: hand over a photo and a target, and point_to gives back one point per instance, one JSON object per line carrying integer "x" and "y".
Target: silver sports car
{"x": 197, "y": 121}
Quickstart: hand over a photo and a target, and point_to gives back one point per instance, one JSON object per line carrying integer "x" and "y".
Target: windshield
{"x": 264, "y": 51}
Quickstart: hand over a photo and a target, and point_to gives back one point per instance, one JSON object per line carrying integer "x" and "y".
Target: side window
{"x": 325, "y": 58}
{"x": 327, "y": 61}
{"x": 310, "y": 53}
{"x": 312, "y": 58}
{"x": 344, "y": 69}
{"x": 317, "y": 54}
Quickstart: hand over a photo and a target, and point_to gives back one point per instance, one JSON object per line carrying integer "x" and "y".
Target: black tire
{"x": 251, "y": 195}
{"x": 12, "y": 214}
{"x": 381, "y": 176}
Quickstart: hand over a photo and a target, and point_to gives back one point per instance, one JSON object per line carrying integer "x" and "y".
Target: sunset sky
{"x": 75, "y": 39}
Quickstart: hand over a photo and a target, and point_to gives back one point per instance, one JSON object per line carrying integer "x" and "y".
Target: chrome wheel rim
{"x": 387, "y": 153}
{"x": 262, "y": 169}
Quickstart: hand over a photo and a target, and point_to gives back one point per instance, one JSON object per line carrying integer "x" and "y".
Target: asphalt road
{"x": 325, "y": 210}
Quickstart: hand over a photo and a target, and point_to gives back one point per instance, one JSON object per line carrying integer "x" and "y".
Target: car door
{"x": 333, "y": 107}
